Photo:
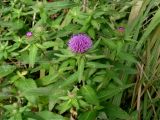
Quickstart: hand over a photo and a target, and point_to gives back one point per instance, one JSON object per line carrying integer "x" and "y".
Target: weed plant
{"x": 79, "y": 60}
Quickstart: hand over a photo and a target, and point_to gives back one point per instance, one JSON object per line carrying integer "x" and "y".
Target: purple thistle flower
{"x": 121, "y": 29}
{"x": 80, "y": 43}
{"x": 29, "y": 34}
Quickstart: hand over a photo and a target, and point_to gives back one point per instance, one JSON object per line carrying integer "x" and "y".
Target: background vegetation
{"x": 117, "y": 79}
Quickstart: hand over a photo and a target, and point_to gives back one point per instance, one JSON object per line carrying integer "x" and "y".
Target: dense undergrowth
{"x": 41, "y": 78}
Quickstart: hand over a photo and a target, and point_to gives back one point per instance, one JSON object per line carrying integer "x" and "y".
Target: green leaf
{"x": 18, "y": 116}
{"x": 14, "y": 47}
{"x": 32, "y": 55}
{"x": 75, "y": 103}
{"x": 126, "y": 69}
{"x": 92, "y": 33}
{"x": 81, "y": 64}
{"x": 109, "y": 43}
{"x": 4, "y": 96}
{"x": 97, "y": 65}
{"x": 63, "y": 107}
{"x": 46, "y": 115}
{"x": 67, "y": 30}
{"x": 67, "y": 20}
{"x": 86, "y": 24}
{"x": 89, "y": 115}
{"x": 59, "y": 5}
{"x": 95, "y": 24}
{"x": 134, "y": 115}
{"x": 54, "y": 97}
{"x": 89, "y": 95}
{"x": 6, "y": 70}
{"x": 13, "y": 25}
{"x": 40, "y": 91}
{"x": 83, "y": 104}
{"x": 56, "y": 23}
{"x": 110, "y": 92}
{"x": 70, "y": 80}
{"x": 43, "y": 16}
{"x": 32, "y": 116}
{"x": 48, "y": 44}
{"x": 48, "y": 79}
{"x": 96, "y": 44}
{"x": 113, "y": 111}
{"x": 127, "y": 57}
{"x": 94, "y": 57}
{"x": 25, "y": 85}
{"x": 152, "y": 25}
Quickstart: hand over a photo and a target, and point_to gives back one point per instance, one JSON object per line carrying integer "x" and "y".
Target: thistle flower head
{"x": 121, "y": 29}
{"x": 80, "y": 43}
{"x": 29, "y": 34}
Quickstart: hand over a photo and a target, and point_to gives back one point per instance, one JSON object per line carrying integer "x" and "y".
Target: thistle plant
{"x": 109, "y": 69}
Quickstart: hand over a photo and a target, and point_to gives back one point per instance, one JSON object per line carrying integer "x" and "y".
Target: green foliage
{"x": 114, "y": 112}
{"x": 90, "y": 95}
{"x": 116, "y": 79}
